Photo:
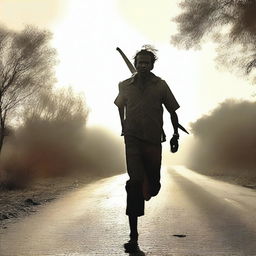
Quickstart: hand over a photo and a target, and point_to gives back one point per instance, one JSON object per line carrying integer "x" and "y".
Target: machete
{"x": 133, "y": 71}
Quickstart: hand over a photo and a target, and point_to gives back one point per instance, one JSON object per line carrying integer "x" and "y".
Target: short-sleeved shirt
{"x": 143, "y": 107}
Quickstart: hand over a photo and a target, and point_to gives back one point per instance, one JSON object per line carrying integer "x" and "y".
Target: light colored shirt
{"x": 143, "y": 107}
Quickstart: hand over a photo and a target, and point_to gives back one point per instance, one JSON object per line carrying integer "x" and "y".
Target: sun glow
{"x": 86, "y": 45}
{"x": 86, "y": 34}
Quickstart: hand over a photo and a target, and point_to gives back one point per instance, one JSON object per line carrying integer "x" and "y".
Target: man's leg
{"x": 146, "y": 188}
{"x": 133, "y": 222}
{"x": 152, "y": 155}
{"x": 134, "y": 209}
{"x": 135, "y": 199}
{"x": 132, "y": 244}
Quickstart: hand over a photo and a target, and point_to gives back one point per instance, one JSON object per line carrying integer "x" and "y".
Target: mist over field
{"x": 56, "y": 149}
{"x": 53, "y": 140}
{"x": 103, "y": 151}
{"x": 225, "y": 140}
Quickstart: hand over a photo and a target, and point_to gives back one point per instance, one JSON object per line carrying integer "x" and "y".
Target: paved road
{"x": 215, "y": 218}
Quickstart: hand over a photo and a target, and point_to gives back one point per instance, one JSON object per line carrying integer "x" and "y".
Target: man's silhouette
{"x": 140, "y": 101}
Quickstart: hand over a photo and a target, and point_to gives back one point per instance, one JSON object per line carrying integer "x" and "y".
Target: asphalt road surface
{"x": 192, "y": 215}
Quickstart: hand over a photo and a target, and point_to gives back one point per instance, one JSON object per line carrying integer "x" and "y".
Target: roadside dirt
{"x": 19, "y": 203}
{"x": 15, "y": 204}
{"x": 249, "y": 182}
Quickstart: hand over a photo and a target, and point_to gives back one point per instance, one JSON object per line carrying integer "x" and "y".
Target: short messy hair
{"x": 146, "y": 50}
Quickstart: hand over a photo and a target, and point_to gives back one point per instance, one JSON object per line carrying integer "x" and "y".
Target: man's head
{"x": 144, "y": 61}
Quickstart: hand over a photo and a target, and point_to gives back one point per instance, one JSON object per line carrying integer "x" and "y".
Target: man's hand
{"x": 174, "y": 143}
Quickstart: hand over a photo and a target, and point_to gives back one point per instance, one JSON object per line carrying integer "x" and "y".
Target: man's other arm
{"x": 120, "y": 103}
{"x": 175, "y": 122}
{"x": 121, "y": 114}
{"x": 172, "y": 105}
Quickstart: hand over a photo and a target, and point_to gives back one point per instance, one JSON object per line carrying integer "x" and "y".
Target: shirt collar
{"x": 152, "y": 78}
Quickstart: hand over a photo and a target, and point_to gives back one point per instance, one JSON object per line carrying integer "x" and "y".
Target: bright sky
{"x": 86, "y": 33}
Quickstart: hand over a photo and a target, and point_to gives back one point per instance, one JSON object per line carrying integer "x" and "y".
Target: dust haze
{"x": 53, "y": 140}
{"x": 225, "y": 140}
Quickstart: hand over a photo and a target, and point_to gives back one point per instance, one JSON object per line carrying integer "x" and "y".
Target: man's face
{"x": 143, "y": 64}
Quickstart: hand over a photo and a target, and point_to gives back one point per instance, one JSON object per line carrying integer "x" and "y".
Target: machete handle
{"x": 128, "y": 63}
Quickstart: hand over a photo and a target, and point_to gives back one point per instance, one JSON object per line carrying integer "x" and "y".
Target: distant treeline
{"x": 225, "y": 140}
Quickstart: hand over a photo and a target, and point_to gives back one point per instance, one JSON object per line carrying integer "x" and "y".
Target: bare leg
{"x": 132, "y": 245}
{"x": 133, "y": 222}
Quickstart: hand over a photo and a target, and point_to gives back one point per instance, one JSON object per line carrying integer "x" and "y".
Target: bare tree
{"x": 58, "y": 105}
{"x": 231, "y": 24}
{"x": 50, "y": 139}
{"x": 26, "y": 62}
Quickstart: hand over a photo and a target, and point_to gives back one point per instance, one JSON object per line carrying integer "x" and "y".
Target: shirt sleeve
{"x": 169, "y": 100}
{"x": 120, "y": 101}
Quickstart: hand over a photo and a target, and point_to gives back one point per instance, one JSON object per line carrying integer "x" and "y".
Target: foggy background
{"x": 224, "y": 141}
{"x": 48, "y": 139}
{"x": 52, "y": 140}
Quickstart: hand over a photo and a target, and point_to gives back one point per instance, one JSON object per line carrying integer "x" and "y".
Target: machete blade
{"x": 182, "y": 128}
